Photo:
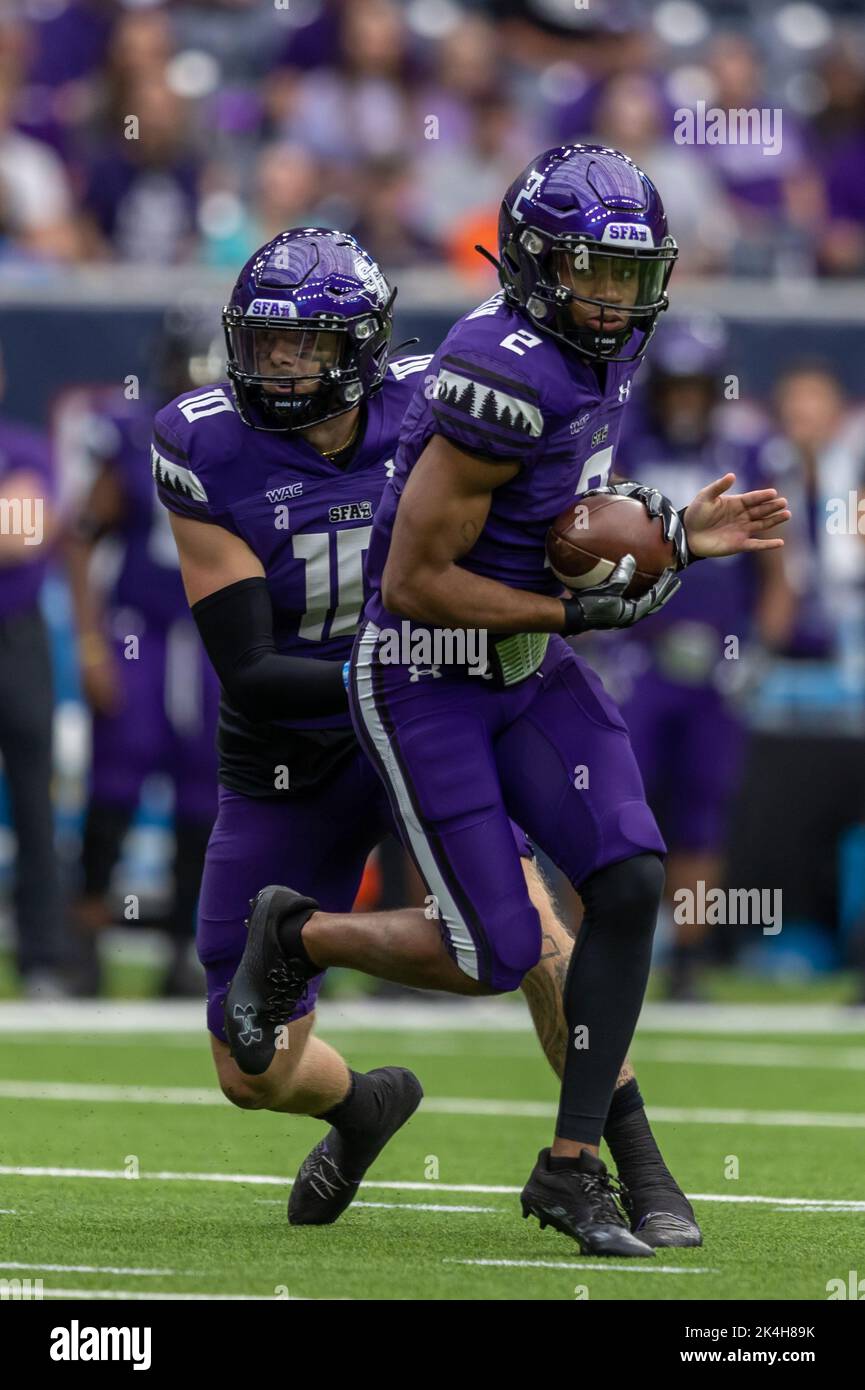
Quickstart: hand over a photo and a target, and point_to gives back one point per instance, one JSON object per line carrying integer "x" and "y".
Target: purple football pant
{"x": 689, "y": 747}
{"x": 166, "y": 722}
{"x": 459, "y": 757}
{"x": 316, "y": 843}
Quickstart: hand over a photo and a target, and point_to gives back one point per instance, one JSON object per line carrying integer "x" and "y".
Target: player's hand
{"x": 99, "y": 683}
{"x": 605, "y": 606}
{"x": 716, "y": 525}
{"x": 656, "y": 504}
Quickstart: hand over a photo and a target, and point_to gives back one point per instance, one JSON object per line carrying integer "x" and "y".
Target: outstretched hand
{"x": 718, "y": 525}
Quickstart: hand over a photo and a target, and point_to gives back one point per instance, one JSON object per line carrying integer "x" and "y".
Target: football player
{"x": 29, "y": 526}
{"x": 530, "y": 389}
{"x": 272, "y": 482}
{"x": 153, "y": 704}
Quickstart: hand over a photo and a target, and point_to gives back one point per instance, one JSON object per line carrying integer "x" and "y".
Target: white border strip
{"x": 450, "y": 916}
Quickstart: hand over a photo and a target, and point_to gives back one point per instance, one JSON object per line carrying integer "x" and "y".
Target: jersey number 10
{"x": 346, "y": 549}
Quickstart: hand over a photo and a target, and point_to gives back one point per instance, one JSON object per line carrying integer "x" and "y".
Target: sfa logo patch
{"x": 351, "y": 511}
{"x": 630, "y": 232}
{"x": 272, "y": 309}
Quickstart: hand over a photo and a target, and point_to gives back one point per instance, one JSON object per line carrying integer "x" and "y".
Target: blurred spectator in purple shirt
{"x": 466, "y": 66}
{"x": 838, "y": 140}
{"x": 776, "y": 197}
{"x": 37, "y": 197}
{"x": 285, "y": 192}
{"x": 142, "y": 191}
{"x": 356, "y": 106}
{"x": 633, "y": 115}
{"x": 389, "y": 225}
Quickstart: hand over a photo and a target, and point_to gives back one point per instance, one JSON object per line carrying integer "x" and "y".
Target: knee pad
{"x": 515, "y": 947}
{"x": 627, "y": 894}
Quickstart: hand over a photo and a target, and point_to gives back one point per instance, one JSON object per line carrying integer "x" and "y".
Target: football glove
{"x": 605, "y": 606}
{"x": 656, "y": 504}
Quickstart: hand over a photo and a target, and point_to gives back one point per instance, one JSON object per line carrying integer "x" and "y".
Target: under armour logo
{"x": 624, "y": 391}
{"x": 250, "y": 1033}
{"x": 418, "y": 671}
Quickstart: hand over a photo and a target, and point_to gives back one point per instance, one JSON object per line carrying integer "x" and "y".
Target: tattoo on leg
{"x": 543, "y": 988}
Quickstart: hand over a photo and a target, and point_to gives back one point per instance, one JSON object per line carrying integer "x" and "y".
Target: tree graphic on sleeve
{"x": 485, "y": 404}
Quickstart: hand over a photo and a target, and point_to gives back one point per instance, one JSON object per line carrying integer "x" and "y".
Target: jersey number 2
{"x": 595, "y": 471}
{"x": 315, "y": 548}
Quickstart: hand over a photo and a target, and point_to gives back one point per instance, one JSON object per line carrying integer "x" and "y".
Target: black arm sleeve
{"x": 236, "y": 626}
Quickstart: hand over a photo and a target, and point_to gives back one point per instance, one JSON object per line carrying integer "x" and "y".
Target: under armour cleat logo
{"x": 250, "y": 1033}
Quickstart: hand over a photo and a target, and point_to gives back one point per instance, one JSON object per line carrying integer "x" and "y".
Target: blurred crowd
{"x": 191, "y": 131}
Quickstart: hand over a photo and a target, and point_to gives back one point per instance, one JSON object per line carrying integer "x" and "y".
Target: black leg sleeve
{"x": 604, "y": 989}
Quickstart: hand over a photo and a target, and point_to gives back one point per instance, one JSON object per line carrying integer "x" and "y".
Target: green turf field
{"x": 438, "y": 1217}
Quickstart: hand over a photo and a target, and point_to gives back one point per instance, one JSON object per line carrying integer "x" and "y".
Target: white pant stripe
{"x": 458, "y": 932}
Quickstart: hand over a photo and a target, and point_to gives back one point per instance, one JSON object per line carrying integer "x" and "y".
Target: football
{"x": 588, "y": 539}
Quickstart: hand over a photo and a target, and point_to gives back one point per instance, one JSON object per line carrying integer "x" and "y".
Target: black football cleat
{"x": 580, "y": 1202}
{"x": 268, "y": 984}
{"x": 330, "y": 1176}
{"x": 661, "y": 1215}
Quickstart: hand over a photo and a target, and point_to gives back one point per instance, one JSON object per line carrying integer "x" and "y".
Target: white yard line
{"x": 399, "y": 1206}
{"x": 136, "y": 1296}
{"x": 91, "y": 1269}
{"x": 163, "y": 1017}
{"x": 604, "y": 1268}
{"x": 474, "y": 1107}
{"x": 750, "y": 1054}
{"x": 483, "y": 1189}
{"x": 831, "y": 1211}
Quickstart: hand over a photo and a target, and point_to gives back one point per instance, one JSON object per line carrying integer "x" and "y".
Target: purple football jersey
{"x": 505, "y": 392}
{"x": 148, "y": 577}
{"x": 24, "y": 450}
{"x": 720, "y": 595}
{"x": 306, "y": 518}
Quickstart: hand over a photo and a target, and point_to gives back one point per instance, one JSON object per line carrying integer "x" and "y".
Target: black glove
{"x": 656, "y": 504}
{"x": 606, "y": 607}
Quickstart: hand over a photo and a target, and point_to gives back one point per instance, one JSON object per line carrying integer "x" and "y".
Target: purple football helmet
{"x": 308, "y": 329}
{"x": 690, "y": 347}
{"x": 688, "y": 357}
{"x": 585, "y": 252}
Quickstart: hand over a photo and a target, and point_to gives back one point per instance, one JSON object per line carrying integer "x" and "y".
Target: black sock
{"x": 638, "y": 1160}
{"x": 291, "y": 943}
{"x": 358, "y": 1108}
{"x": 625, "y": 1099}
{"x": 560, "y": 1163}
{"x": 354, "y": 1118}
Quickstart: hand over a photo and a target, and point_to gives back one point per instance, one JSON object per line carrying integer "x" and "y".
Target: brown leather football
{"x": 586, "y": 542}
